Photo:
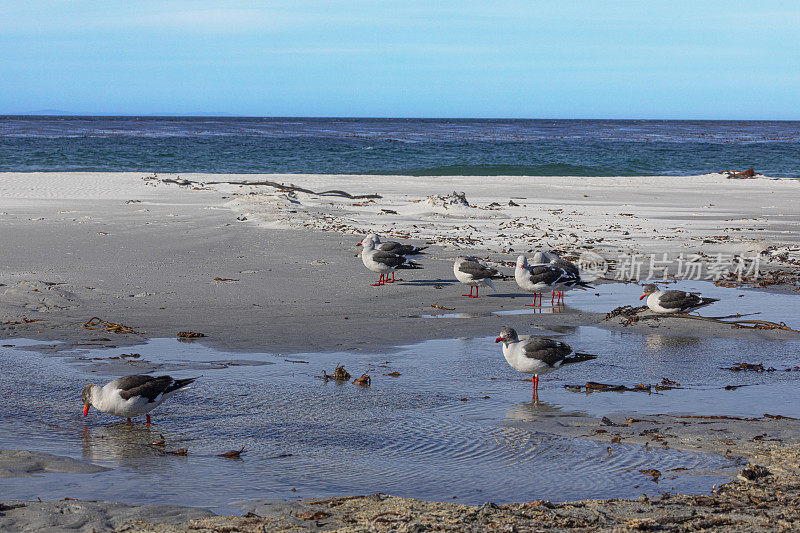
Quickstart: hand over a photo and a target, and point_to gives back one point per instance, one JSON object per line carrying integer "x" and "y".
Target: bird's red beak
{"x": 643, "y": 296}
{"x": 499, "y": 339}
{"x": 360, "y": 244}
{"x": 85, "y": 409}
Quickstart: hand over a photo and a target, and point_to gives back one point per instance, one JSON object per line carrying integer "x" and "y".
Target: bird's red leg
{"x": 387, "y": 278}
{"x": 147, "y": 417}
{"x": 470, "y": 292}
{"x": 476, "y": 292}
{"x": 380, "y": 281}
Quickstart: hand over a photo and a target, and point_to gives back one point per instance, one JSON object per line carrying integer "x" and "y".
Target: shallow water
{"x": 757, "y": 304}
{"x": 457, "y": 424}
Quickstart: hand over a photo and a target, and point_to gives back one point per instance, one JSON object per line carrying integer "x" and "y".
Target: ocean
{"x": 429, "y": 147}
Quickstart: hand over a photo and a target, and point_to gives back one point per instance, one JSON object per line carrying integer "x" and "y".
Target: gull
{"x": 674, "y": 301}
{"x": 383, "y": 262}
{"x": 131, "y": 395}
{"x": 393, "y": 246}
{"x": 537, "y": 355}
{"x": 539, "y": 278}
{"x": 475, "y": 272}
{"x": 549, "y": 258}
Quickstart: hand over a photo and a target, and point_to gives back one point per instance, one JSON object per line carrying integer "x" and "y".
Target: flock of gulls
{"x": 137, "y": 395}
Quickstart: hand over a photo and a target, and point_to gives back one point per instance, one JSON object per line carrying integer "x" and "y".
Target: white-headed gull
{"x": 674, "y": 301}
{"x": 540, "y": 278}
{"x": 131, "y": 395}
{"x": 383, "y": 262}
{"x": 549, "y": 258}
{"x": 536, "y": 355}
{"x": 393, "y": 246}
{"x": 475, "y": 272}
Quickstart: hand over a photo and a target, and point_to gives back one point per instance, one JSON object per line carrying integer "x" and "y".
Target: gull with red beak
{"x": 393, "y": 246}
{"x": 548, "y": 276}
{"x": 475, "y": 272}
{"x": 131, "y": 396}
{"x": 383, "y": 262}
{"x": 537, "y": 355}
{"x": 673, "y": 301}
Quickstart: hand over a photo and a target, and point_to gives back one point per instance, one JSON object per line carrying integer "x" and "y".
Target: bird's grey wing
{"x": 546, "y": 350}
{"x": 545, "y": 274}
{"x": 679, "y": 299}
{"x": 391, "y": 246}
{"x": 148, "y": 388}
{"x": 388, "y": 259}
{"x": 477, "y": 270}
{"x": 566, "y": 265}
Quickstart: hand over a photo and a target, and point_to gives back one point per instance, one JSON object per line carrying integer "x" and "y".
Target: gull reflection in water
{"x": 120, "y": 444}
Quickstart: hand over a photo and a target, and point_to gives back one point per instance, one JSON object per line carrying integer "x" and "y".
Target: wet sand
{"x": 145, "y": 254}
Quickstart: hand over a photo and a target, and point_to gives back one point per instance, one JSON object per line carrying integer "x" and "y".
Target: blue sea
{"x": 436, "y": 147}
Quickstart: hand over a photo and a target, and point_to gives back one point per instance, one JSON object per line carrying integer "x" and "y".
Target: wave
{"x": 548, "y": 169}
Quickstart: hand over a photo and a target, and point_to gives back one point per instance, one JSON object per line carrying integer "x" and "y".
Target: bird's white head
{"x": 522, "y": 262}
{"x": 538, "y": 258}
{"x": 649, "y": 289}
{"x": 87, "y": 395}
{"x": 370, "y": 241}
{"x": 507, "y": 335}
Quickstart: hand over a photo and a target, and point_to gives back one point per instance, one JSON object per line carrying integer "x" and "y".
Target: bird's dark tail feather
{"x": 409, "y": 265}
{"x": 179, "y": 384}
{"x": 578, "y": 357}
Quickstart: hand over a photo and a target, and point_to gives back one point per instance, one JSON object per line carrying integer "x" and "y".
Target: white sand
{"x": 145, "y": 253}
{"x": 620, "y": 215}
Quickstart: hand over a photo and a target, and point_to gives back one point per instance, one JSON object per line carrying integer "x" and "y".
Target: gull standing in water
{"x": 537, "y": 355}
{"x": 131, "y": 395}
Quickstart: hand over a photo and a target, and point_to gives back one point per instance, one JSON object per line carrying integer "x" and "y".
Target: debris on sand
{"x": 753, "y": 472}
{"x": 364, "y": 380}
{"x": 748, "y": 367}
{"x": 24, "y": 320}
{"x": 450, "y": 200}
{"x": 313, "y": 515}
{"x": 340, "y": 374}
{"x": 98, "y": 324}
{"x": 744, "y": 174}
{"x": 190, "y": 334}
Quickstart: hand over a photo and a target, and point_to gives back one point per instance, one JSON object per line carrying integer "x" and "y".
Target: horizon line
{"x": 328, "y": 117}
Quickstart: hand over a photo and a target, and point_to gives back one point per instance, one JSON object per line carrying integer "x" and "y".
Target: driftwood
{"x": 630, "y": 315}
{"x": 275, "y": 184}
{"x": 97, "y": 323}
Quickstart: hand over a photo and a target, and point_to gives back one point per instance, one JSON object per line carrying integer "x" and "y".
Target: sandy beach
{"x": 135, "y": 250}
{"x": 264, "y": 268}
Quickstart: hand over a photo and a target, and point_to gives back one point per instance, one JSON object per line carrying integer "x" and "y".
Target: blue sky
{"x": 512, "y": 59}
